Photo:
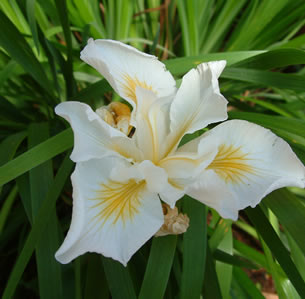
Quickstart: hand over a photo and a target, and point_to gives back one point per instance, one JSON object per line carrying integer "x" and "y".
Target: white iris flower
{"x": 120, "y": 177}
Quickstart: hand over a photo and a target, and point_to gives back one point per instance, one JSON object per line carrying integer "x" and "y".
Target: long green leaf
{"x": 35, "y": 156}
{"x": 93, "y": 92}
{"x": 211, "y": 288}
{"x": 41, "y": 177}
{"x": 6, "y": 207}
{"x": 158, "y": 267}
{"x": 223, "y": 270}
{"x": 266, "y": 78}
{"x": 9, "y": 146}
{"x": 246, "y": 283}
{"x": 273, "y": 59}
{"x": 119, "y": 280}
{"x": 194, "y": 249}
{"x": 14, "y": 43}
{"x": 179, "y": 66}
{"x": 235, "y": 260}
{"x": 290, "y": 212}
{"x": 30, "y": 10}
{"x": 68, "y": 69}
{"x": 277, "y": 248}
{"x": 292, "y": 125}
{"x": 42, "y": 219}
{"x": 95, "y": 283}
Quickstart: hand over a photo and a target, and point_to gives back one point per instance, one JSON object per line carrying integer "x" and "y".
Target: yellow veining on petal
{"x": 231, "y": 164}
{"x": 118, "y": 200}
{"x": 130, "y": 85}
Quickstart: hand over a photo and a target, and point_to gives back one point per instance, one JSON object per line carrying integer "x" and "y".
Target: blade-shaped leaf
{"x": 277, "y": 248}
{"x": 42, "y": 220}
{"x": 35, "y": 156}
{"x": 41, "y": 177}
{"x": 290, "y": 212}
{"x": 119, "y": 280}
{"x": 194, "y": 248}
{"x": 158, "y": 267}
{"x": 14, "y": 43}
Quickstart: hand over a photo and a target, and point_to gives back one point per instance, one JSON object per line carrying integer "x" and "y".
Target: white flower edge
{"x": 95, "y": 225}
{"x": 251, "y": 162}
{"x": 125, "y": 68}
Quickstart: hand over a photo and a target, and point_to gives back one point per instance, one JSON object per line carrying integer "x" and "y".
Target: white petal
{"x": 190, "y": 159}
{"x": 125, "y": 68}
{"x": 211, "y": 190}
{"x": 94, "y": 138}
{"x": 251, "y": 162}
{"x": 184, "y": 167}
{"x": 198, "y": 101}
{"x": 109, "y": 217}
{"x": 154, "y": 176}
{"x": 152, "y": 121}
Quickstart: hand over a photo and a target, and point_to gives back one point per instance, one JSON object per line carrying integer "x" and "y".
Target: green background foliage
{"x": 40, "y": 41}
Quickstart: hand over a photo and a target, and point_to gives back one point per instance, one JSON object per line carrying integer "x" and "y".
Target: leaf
{"x": 179, "y": 66}
{"x": 30, "y": 10}
{"x": 266, "y": 78}
{"x": 41, "y": 177}
{"x": 221, "y": 25}
{"x": 118, "y": 275}
{"x": 273, "y": 59}
{"x": 95, "y": 283}
{"x": 92, "y": 92}
{"x": 290, "y": 212}
{"x": 250, "y": 253}
{"x": 292, "y": 125}
{"x": 68, "y": 69}
{"x": 246, "y": 283}
{"x": 194, "y": 248}
{"x": 235, "y": 260}
{"x": 158, "y": 267}
{"x": 6, "y": 207}
{"x": 35, "y": 156}
{"x": 14, "y": 43}
{"x": 224, "y": 271}
{"x": 9, "y": 146}
{"x": 211, "y": 288}
{"x": 42, "y": 220}
{"x": 277, "y": 248}
{"x": 223, "y": 226}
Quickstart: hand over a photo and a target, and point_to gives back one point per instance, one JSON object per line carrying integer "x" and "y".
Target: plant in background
{"x": 263, "y": 43}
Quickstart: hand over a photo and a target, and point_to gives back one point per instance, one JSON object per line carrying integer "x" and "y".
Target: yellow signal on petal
{"x": 118, "y": 201}
{"x": 231, "y": 164}
{"x": 130, "y": 85}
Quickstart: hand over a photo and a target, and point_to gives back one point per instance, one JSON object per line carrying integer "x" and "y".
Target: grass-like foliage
{"x": 264, "y": 82}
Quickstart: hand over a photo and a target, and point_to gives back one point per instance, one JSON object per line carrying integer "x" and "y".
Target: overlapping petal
{"x": 94, "y": 138}
{"x": 152, "y": 123}
{"x": 184, "y": 166}
{"x": 197, "y": 103}
{"x": 111, "y": 216}
{"x": 126, "y": 68}
{"x": 251, "y": 162}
